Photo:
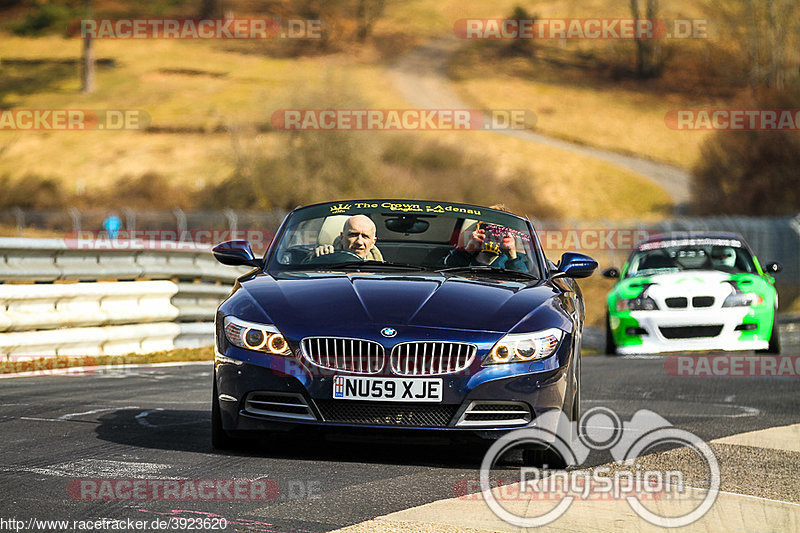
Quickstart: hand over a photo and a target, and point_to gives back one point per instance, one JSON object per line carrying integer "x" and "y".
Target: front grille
{"x": 491, "y": 413}
{"x": 431, "y": 358}
{"x": 348, "y": 355}
{"x": 690, "y": 332}
{"x": 702, "y": 301}
{"x": 677, "y": 302}
{"x": 279, "y": 404}
{"x": 382, "y": 414}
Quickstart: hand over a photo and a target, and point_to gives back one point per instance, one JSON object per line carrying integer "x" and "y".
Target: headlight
{"x": 522, "y": 347}
{"x": 256, "y": 337}
{"x": 743, "y": 299}
{"x": 637, "y": 304}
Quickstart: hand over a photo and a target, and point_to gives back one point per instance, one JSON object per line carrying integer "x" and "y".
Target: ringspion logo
{"x": 599, "y": 429}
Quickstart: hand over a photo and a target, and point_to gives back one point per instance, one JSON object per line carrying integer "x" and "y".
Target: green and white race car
{"x": 692, "y": 291}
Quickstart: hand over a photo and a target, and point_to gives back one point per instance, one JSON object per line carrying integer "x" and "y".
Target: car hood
{"x": 330, "y": 303}
{"x": 690, "y": 282}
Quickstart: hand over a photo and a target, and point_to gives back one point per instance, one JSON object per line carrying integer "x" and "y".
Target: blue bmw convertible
{"x": 413, "y": 315}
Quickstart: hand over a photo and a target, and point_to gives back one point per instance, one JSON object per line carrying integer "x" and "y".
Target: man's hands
{"x": 324, "y": 249}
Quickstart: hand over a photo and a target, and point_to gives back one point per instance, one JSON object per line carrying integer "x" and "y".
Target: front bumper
{"x": 243, "y": 376}
{"x": 718, "y": 329}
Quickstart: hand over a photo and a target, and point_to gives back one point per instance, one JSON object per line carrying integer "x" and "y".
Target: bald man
{"x": 358, "y": 237}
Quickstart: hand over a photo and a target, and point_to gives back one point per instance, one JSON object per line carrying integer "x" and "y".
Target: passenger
{"x": 497, "y": 248}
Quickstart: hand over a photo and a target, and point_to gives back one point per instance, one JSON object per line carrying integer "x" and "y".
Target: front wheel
{"x": 220, "y": 439}
{"x": 611, "y": 346}
{"x": 774, "y": 340}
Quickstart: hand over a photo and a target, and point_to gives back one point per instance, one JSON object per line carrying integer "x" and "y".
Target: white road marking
{"x": 70, "y": 416}
{"x": 141, "y": 418}
{"x": 99, "y": 468}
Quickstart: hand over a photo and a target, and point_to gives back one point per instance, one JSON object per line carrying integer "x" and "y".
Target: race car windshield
{"x": 723, "y": 255}
{"x": 431, "y": 236}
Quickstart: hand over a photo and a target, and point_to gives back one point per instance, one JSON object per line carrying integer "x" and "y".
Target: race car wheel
{"x": 611, "y": 346}
{"x": 774, "y": 340}
{"x": 220, "y": 439}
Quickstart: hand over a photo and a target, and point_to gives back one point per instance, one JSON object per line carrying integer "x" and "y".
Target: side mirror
{"x": 235, "y": 253}
{"x": 612, "y": 273}
{"x": 574, "y": 265}
{"x": 773, "y": 268}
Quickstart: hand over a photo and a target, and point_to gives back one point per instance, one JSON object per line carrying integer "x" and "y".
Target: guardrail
{"x": 57, "y": 299}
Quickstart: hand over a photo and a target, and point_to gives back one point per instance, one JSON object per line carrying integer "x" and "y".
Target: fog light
{"x": 635, "y": 331}
{"x": 746, "y": 327}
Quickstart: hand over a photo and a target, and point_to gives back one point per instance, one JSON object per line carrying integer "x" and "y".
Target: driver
{"x": 358, "y": 237}
{"x": 723, "y": 257}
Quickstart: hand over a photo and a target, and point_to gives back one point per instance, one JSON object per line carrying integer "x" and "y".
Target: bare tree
{"x": 87, "y": 58}
{"x": 367, "y": 13}
{"x": 765, "y": 32}
{"x": 648, "y": 51}
{"x": 211, "y": 9}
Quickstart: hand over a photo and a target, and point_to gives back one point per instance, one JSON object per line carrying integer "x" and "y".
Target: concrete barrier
{"x": 57, "y": 299}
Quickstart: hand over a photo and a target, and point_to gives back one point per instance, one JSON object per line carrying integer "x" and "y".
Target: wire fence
{"x": 610, "y": 242}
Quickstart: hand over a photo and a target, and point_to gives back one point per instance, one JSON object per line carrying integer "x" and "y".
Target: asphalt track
{"x": 152, "y": 423}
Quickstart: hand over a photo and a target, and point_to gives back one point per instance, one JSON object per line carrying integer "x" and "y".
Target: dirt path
{"x": 420, "y": 77}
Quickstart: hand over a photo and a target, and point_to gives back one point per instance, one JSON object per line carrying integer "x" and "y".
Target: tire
{"x": 220, "y": 439}
{"x": 774, "y": 347}
{"x": 538, "y": 457}
{"x": 611, "y": 346}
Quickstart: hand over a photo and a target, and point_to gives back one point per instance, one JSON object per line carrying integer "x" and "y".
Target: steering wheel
{"x": 338, "y": 256}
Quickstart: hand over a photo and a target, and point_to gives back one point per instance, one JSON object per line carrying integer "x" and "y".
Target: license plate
{"x": 387, "y": 389}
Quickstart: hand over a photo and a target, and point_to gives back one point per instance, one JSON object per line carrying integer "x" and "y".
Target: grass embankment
{"x": 210, "y": 106}
{"x": 583, "y": 90}
{"x": 45, "y": 365}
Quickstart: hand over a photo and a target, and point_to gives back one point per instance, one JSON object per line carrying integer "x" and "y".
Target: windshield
{"x": 725, "y": 255}
{"x": 404, "y": 235}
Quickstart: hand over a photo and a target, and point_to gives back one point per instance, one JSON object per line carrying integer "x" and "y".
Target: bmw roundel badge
{"x": 388, "y": 332}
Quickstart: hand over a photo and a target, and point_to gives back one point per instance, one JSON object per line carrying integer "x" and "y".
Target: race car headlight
{"x": 743, "y": 299}
{"x": 637, "y": 304}
{"x": 523, "y": 347}
{"x": 257, "y": 337}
